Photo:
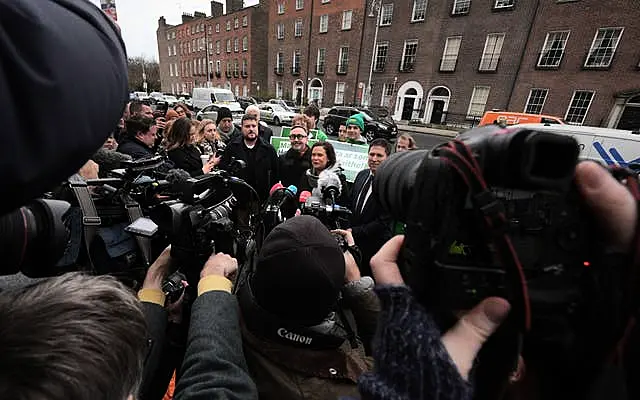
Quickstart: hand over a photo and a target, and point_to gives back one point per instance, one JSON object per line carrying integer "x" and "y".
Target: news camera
{"x": 322, "y": 201}
{"x": 496, "y": 213}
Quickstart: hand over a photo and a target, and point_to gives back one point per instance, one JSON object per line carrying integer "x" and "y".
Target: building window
{"x": 228, "y": 25}
{"x": 324, "y": 23}
{"x": 188, "y": 48}
{"x": 387, "y": 94}
{"x": 209, "y": 29}
{"x": 381, "y": 56}
{"x": 244, "y": 67}
{"x": 386, "y": 16}
{"x": 339, "y": 97}
{"x": 450, "y": 54}
{"x": 169, "y": 50}
{"x": 603, "y": 47}
{"x": 504, "y": 3}
{"x": 478, "y": 101}
{"x": 174, "y": 50}
{"x": 236, "y": 23}
{"x": 578, "y": 107}
{"x": 279, "y": 63}
{"x": 217, "y": 47}
{"x": 280, "y": 8}
{"x": 461, "y": 7}
{"x": 409, "y": 55}
{"x": 217, "y": 28}
{"x": 175, "y": 69}
{"x": 491, "y": 53}
{"x": 298, "y": 28}
{"x": 536, "y": 100}
{"x": 279, "y": 90}
{"x": 320, "y": 61}
{"x": 170, "y": 69}
{"x": 280, "y": 31}
{"x": 346, "y": 19}
{"x": 245, "y": 43}
{"x": 168, "y": 36}
{"x": 553, "y": 49}
{"x": 236, "y": 68}
{"x": 245, "y": 21}
{"x": 419, "y": 10}
{"x": 299, "y": 4}
{"x": 343, "y": 61}
{"x": 218, "y": 68}
{"x": 245, "y": 90}
{"x": 325, "y": 1}
{"x": 228, "y": 45}
{"x": 295, "y": 65}
{"x": 236, "y": 46}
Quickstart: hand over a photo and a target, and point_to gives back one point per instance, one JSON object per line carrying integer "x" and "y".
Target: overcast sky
{"x": 138, "y": 20}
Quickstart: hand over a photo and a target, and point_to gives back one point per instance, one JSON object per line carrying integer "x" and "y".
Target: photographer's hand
{"x": 465, "y": 339}
{"x": 220, "y": 264}
{"x": 611, "y": 202}
{"x": 351, "y": 270}
{"x": 346, "y": 234}
{"x": 158, "y": 271}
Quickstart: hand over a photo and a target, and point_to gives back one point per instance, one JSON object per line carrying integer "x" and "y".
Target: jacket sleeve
{"x": 379, "y": 228}
{"x": 360, "y": 298}
{"x": 156, "y": 318}
{"x": 214, "y": 366}
{"x": 181, "y": 160}
{"x": 275, "y": 167}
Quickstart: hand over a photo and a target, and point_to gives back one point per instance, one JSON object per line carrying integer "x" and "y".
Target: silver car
{"x": 211, "y": 112}
{"x": 275, "y": 114}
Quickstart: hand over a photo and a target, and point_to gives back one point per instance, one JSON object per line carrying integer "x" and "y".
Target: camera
{"x": 173, "y": 286}
{"x": 496, "y": 213}
{"x": 332, "y": 216}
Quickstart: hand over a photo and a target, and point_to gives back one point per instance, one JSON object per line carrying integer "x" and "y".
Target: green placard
{"x": 352, "y": 157}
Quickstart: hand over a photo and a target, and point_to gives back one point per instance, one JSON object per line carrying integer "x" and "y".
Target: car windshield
{"x": 170, "y": 98}
{"x": 278, "y": 108}
{"x": 369, "y": 115}
{"x": 220, "y": 97}
{"x": 290, "y": 104}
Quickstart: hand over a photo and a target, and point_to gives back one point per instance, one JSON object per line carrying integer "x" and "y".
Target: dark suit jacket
{"x": 371, "y": 228}
{"x": 156, "y": 319}
{"x": 265, "y": 133}
{"x": 214, "y": 366}
{"x": 187, "y": 158}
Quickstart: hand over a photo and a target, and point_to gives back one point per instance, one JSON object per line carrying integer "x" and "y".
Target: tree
{"x": 151, "y": 68}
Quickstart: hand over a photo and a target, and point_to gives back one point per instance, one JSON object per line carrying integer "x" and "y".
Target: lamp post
{"x": 376, "y": 5}
{"x": 206, "y": 49}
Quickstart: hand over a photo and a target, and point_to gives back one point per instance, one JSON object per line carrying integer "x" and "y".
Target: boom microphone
{"x": 304, "y": 196}
{"x": 110, "y": 159}
{"x": 329, "y": 187}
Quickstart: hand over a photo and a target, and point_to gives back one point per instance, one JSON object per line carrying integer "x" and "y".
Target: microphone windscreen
{"x": 177, "y": 176}
{"x": 275, "y": 187}
{"x": 304, "y": 196}
{"x": 109, "y": 159}
{"x": 293, "y": 189}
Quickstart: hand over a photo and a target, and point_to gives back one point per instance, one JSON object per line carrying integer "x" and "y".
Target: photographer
{"x": 414, "y": 362}
{"x": 307, "y": 314}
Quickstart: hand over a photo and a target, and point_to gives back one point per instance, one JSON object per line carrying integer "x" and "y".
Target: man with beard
{"x": 261, "y": 160}
{"x": 297, "y": 160}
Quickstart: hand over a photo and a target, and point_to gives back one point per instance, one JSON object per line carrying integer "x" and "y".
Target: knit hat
{"x": 223, "y": 113}
{"x": 171, "y": 114}
{"x": 300, "y": 272}
{"x": 357, "y": 120}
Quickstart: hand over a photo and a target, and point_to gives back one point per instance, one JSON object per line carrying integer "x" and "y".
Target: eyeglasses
{"x": 297, "y": 136}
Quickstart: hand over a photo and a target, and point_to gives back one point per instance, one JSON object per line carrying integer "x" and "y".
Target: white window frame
{"x": 404, "y": 54}
{"x": 447, "y": 53}
{"x": 245, "y": 43}
{"x": 236, "y": 45}
{"x": 546, "y": 48}
{"x": 494, "y": 57}
{"x": 298, "y": 28}
{"x": 217, "y": 47}
{"x": 528, "y": 103}
{"x": 347, "y": 19}
{"x": 376, "y": 57}
{"x": 386, "y": 13}
{"x": 295, "y": 61}
{"x": 280, "y": 7}
{"x": 324, "y": 23}
{"x": 245, "y": 20}
{"x": 168, "y": 35}
{"x": 613, "y": 53}
{"x": 279, "y": 90}
{"x": 472, "y": 102}
{"x": 500, "y": 4}
{"x": 299, "y": 5}
{"x": 245, "y": 66}
{"x": 218, "y": 67}
{"x": 236, "y": 23}
{"x": 417, "y": 4}
{"x": 175, "y": 69}
{"x": 325, "y": 1}
{"x": 228, "y": 25}
{"x": 174, "y": 50}
{"x": 245, "y": 90}
{"x": 343, "y": 59}
{"x": 169, "y": 50}
{"x": 586, "y": 112}
{"x": 280, "y": 62}
{"x": 217, "y": 27}
{"x": 321, "y": 55}
{"x": 170, "y": 69}
{"x": 280, "y": 31}
{"x": 461, "y": 7}
{"x": 339, "y": 95}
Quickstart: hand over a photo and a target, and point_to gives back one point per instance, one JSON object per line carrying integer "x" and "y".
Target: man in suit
{"x": 371, "y": 227}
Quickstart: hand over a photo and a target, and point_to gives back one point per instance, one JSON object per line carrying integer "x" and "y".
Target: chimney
{"x": 186, "y": 17}
{"x": 216, "y": 9}
{"x": 234, "y": 5}
{"x": 162, "y": 22}
{"x": 199, "y": 14}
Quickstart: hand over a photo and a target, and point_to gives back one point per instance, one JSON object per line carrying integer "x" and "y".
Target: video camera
{"x": 496, "y": 213}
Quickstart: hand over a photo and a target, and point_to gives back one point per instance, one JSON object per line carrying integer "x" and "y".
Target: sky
{"x": 138, "y": 20}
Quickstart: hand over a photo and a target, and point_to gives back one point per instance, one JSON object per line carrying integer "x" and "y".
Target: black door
{"x": 407, "y": 108}
{"x": 436, "y": 113}
{"x": 298, "y": 96}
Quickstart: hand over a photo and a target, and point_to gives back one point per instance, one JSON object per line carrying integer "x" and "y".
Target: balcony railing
{"x": 406, "y": 66}
{"x": 448, "y": 63}
{"x": 341, "y": 69}
{"x": 489, "y": 63}
{"x": 295, "y": 70}
{"x": 279, "y": 70}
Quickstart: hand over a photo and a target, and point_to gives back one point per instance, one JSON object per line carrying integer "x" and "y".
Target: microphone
{"x": 110, "y": 159}
{"x": 177, "y": 176}
{"x": 276, "y": 187}
{"x": 329, "y": 186}
{"x": 304, "y": 196}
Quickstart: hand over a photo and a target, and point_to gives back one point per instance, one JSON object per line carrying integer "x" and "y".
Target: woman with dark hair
{"x": 181, "y": 150}
{"x": 324, "y": 164}
{"x": 182, "y": 110}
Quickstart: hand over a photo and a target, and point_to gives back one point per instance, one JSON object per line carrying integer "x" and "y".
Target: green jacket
{"x": 320, "y": 135}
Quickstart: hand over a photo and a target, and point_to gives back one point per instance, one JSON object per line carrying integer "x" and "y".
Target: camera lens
{"x": 394, "y": 181}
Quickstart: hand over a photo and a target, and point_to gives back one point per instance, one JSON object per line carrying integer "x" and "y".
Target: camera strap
{"x": 458, "y": 156}
{"x": 90, "y": 219}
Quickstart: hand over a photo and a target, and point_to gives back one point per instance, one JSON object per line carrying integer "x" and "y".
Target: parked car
{"x": 275, "y": 113}
{"x": 211, "y": 112}
{"x": 170, "y": 100}
{"x": 288, "y": 105}
{"x": 247, "y": 101}
{"x": 374, "y": 126}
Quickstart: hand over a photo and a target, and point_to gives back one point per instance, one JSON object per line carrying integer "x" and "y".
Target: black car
{"x": 246, "y": 101}
{"x": 374, "y": 126}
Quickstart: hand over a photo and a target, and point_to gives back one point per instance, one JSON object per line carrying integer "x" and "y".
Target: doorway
{"x": 437, "y": 105}
{"x": 407, "y": 108}
{"x": 437, "y": 111}
{"x": 408, "y": 101}
{"x": 315, "y": 92}
{"x": 298, "y": 92}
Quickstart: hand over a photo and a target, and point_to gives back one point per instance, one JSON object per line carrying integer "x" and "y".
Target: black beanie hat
{"x": 300, "y": 272}
{"x": 223, "y": 112}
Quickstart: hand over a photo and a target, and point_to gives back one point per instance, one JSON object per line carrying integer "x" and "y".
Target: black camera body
{"x": 331, "y": 215}
{"x": 496, "y": 213}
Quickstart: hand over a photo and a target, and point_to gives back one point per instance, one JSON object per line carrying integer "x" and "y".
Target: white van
{"x": 203, "y": 97}
{"x": 607, "y": 146}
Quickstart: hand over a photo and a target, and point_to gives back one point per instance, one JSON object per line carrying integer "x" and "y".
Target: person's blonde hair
{"x": 202, "y": 126}
{"x": 302, "y": 121}
{"x": 412, "y": 141}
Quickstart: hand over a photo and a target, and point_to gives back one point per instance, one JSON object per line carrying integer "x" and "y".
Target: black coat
{"x": 263, "y": 174}
{"x": 187, "y": 158}
{"x": 135, "y": 148}
{"x": 371, "y": 228}
{"x": 293, "y": 168}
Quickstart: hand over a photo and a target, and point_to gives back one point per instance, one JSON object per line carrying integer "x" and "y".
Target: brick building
{"x": 314, "y": 50}
{"x": 223, "y": 50}
{"x": 582, "y": 63}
